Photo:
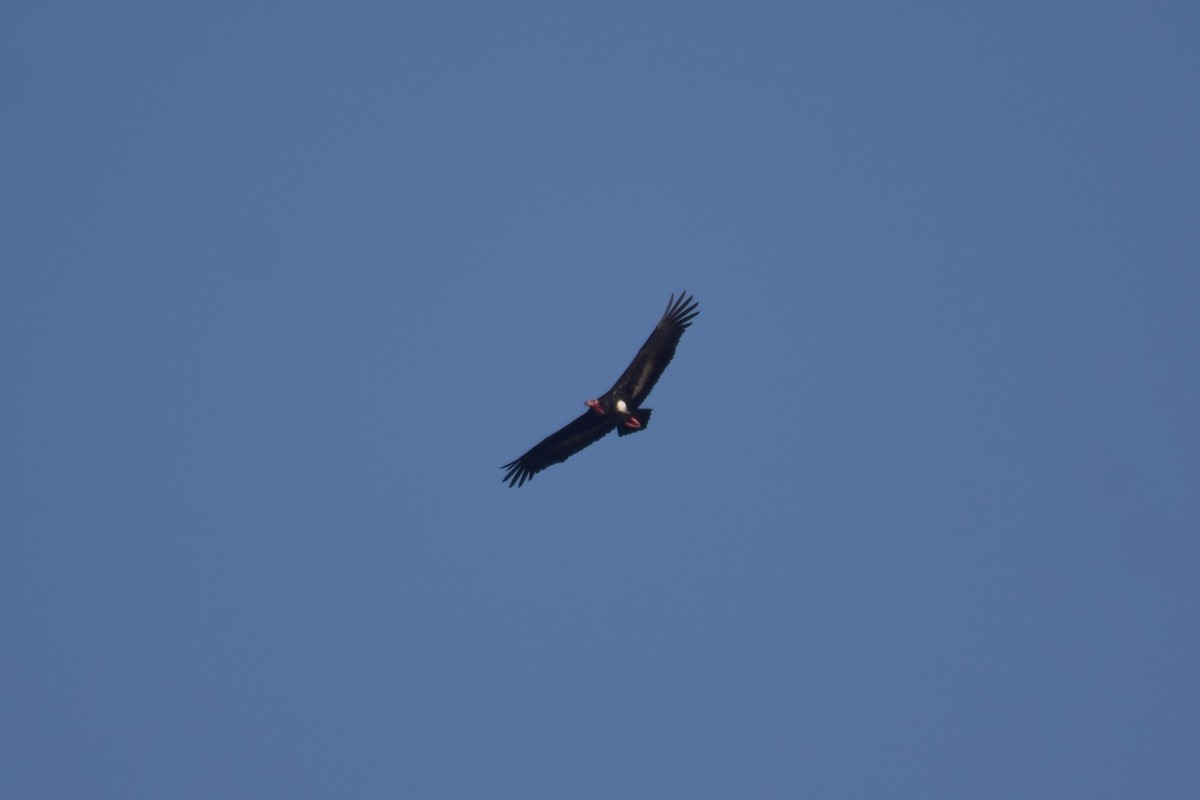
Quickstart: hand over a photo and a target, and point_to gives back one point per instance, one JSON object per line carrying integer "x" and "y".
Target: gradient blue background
{"x": 284, "y": 284}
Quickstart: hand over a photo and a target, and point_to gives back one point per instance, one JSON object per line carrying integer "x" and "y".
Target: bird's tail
{"x": 643, "y": 416}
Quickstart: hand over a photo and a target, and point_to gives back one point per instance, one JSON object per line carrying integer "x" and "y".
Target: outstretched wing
{"x": 641, "y": 375}
{"x": 558, "y": 447}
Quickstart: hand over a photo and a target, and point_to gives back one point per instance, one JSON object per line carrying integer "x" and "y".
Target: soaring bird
{"x": 619, "y": 408}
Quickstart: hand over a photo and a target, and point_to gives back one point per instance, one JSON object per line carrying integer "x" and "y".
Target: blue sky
{"x": 284, "y": 286}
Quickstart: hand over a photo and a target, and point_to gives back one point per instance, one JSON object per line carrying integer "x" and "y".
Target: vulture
{"x": 620, "y": 408}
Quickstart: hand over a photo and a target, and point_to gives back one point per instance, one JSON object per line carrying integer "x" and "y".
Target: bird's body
{"x": 620, "y": 407}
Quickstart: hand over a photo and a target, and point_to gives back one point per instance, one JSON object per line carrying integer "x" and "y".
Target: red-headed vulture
{"x": 620, "y": 408}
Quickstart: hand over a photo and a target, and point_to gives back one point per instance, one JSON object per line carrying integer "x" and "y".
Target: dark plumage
{"x": 620, "y": 407}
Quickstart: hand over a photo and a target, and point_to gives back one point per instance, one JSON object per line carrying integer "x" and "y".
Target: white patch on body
{"x": 621, "y": 406}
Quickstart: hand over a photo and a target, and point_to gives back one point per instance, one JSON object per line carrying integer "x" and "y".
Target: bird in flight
{"x": 620, "y": 408}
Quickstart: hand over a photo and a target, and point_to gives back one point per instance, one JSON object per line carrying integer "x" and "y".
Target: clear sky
{"x": 283, "y": 285}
